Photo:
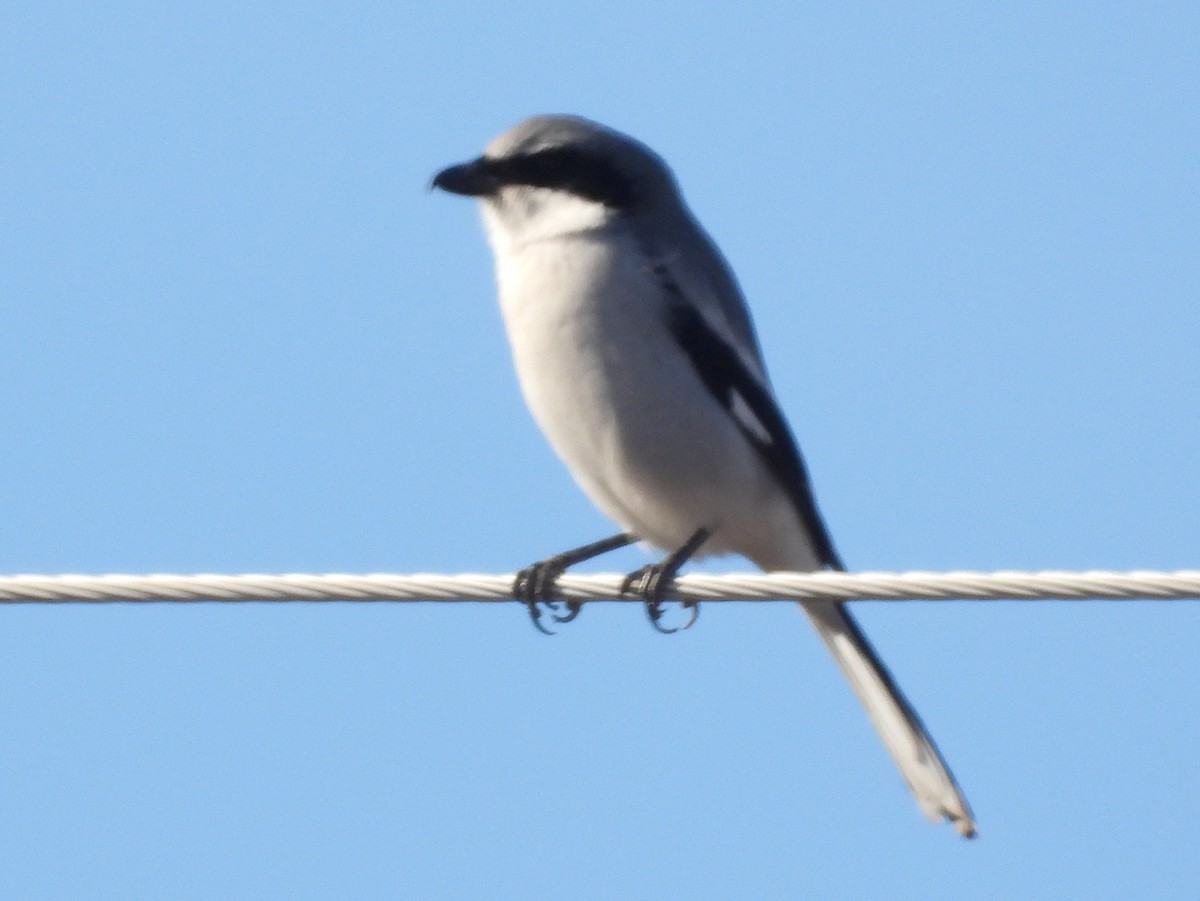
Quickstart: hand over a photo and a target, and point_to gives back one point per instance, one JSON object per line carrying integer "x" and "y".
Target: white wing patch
{"x": 746, "y": 419}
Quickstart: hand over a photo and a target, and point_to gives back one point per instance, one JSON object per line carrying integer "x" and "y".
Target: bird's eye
{"x": 568, "y": 169}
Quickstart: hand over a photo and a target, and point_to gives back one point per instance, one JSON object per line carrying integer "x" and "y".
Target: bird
{"x": 636, "y": 355}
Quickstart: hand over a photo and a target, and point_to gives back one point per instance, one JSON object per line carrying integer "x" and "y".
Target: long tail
{"x": 898, "y": 725}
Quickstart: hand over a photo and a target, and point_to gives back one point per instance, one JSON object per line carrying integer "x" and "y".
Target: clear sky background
{"x": 237, "y": 333}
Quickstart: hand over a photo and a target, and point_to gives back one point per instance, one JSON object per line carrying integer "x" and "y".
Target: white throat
{"x": 521, "y": 215}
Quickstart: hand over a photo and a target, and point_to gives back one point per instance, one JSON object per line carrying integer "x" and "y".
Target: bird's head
{"x": 553, "y": 175}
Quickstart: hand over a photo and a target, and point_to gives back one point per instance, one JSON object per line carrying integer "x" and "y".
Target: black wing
{"x": 737, "y": 390}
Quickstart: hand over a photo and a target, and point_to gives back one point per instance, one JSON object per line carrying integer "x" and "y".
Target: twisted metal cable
{"x": 779, "y": 586}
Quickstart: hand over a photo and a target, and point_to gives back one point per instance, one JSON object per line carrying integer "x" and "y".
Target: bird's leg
{"x": 650, "y": 582}
{"x": 535, "y": 583}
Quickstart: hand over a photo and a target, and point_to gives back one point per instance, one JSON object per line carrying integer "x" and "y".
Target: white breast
{"x": 619, "y": 401}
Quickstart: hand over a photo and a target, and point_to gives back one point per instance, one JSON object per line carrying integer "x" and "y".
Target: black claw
{"x": 535, "y": 616}
{"x": 650, "y": 582}
{"x": 658, "y": 628}
{"x": 573, "y": 608}
{"x": 654, "y": 612}
{"x": 534, "y": 585}
{"x": 531, "y": 586}
{"x": 647, "y": 583}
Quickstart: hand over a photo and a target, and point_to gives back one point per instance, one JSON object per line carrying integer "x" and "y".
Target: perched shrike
{"x": 637, "y": 358}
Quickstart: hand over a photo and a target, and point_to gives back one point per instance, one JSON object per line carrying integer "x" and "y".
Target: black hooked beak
{"x": 473, "y": 179}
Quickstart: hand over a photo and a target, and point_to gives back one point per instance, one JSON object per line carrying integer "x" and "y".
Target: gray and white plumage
{"x": 637, "y": 357}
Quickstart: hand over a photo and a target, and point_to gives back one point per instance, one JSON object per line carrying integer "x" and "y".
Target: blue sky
{"x": 239, "y": 334}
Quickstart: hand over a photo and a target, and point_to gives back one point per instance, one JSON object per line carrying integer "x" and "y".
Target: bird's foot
{"x": 534, "y": 586}
{"x": 650, "y": 584}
